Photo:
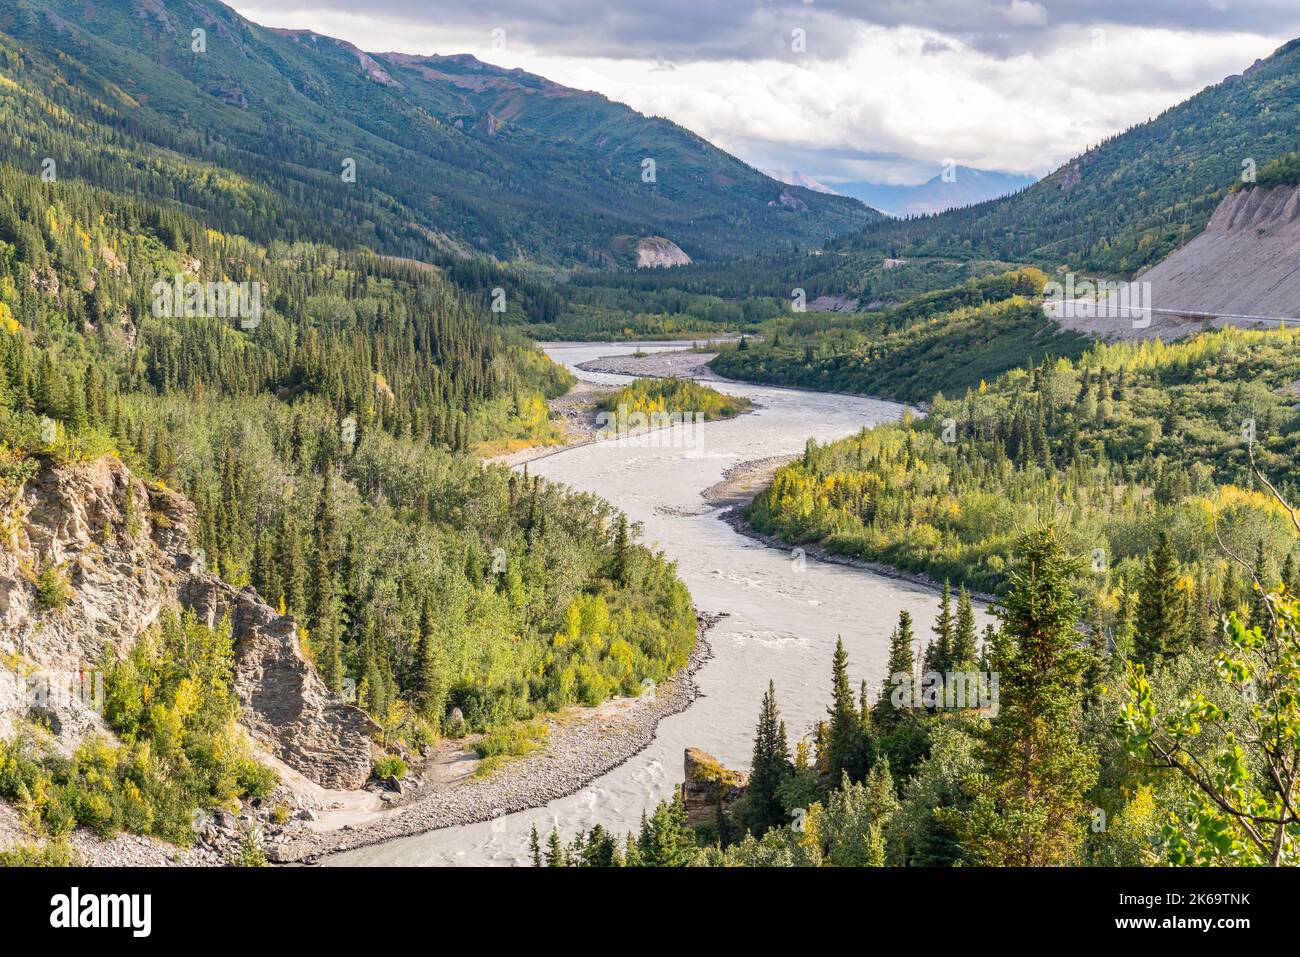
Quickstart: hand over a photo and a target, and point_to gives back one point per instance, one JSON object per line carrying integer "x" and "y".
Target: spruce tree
{"x": 1160, "y": 627}
{"x": 621, "y": 551}
{"x": 554, "y": 851}
{"x": 938, "y": 656}
{"x": 1029, "y": 807}
{"x": 770, "y": 769}
{"x": 1258, "y": 613}
{"x": 844, "y": 734}
{"x": 964, "y": 649}
{"x": 901, "y": 666}
{"x": 535, "y": 848}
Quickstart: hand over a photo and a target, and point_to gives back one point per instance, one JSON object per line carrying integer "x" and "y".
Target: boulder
{"x": 708, "y": 786}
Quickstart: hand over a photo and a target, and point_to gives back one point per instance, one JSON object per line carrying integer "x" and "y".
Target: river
{"x": 783, "y": 614}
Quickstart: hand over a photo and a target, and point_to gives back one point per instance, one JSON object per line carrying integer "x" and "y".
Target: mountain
{"x": 284, "y": 134}
{"x": 1134, "y": 198}
{"x": 965, "y": 187}
{"x": 792, "y": 177}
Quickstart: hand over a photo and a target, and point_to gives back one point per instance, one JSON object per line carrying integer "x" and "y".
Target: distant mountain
{"x": 1134, "y": 198}
{"x": 965, "y": 187}
{"x": 288, "y": 134}
{"x": 792, "y": 177}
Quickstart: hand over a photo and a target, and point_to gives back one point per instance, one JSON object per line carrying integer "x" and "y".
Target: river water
{"x": 783, "y": 614}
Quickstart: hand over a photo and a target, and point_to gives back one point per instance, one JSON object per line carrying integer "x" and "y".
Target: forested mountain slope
{"x": 321, "y": 440}
{"x": 262, "y": 130}
{"x": 1132, "y": 199}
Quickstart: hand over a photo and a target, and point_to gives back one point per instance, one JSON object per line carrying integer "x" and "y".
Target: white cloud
{"x": 1026, "y": 13}
{"x": 887, "y": 94}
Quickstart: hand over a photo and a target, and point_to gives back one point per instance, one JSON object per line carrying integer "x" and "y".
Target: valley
{"x": 410, "y": 459}
{"x": 782, "y": 616}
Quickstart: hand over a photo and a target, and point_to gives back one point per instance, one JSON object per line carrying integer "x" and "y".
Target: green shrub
{"x": 510, "y": 741}
{"x": 184, "y": 751}
{"x": 52, "y": 853}
{"x": 390, "y": 768}
{"x": 51, "y": 587}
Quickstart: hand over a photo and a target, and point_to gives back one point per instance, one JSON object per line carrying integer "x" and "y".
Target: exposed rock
{"x": 488, "y": 124}
{"x": 788, "y": 200}
{"x": 655, "y": 251}
{"x": 370, "y": 67}
{"x": 124, "y": 550}
{"x": 112, "y": 261}
{"x": 228, "y": 91}
{"x": 1240, "y": 271}
{"x": 833, "y": 303}
{"x": 707, "y": 786}
{"x": 44, "y": 279}
{"x": 285, "y": 703}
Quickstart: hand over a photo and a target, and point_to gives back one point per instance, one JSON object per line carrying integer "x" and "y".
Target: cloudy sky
{"x": 878, "y": 90}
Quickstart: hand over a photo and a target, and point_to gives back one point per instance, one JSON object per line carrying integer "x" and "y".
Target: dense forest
{"x": 1129, "y": 509}
{"x": 1088, "y": 753}
{"x": 1129, "y": 445}
{"x": 302, "y": 285}
{"x": 281, "y": 134}
{"x": 325, "y": 441}
{"x": 951, "y": 338}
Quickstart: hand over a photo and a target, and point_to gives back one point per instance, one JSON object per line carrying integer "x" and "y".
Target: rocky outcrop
{"x": 1242, "y": 270}
{"x": 788, "y": 200}
{"x": 90, "y": 557}
{"x": 655, "y": 251}
{"x": 709, "y": 786}
{"x": 285, "y": 703}
{"x": 81, "y": 532}
{"x": 1245, "y": 263}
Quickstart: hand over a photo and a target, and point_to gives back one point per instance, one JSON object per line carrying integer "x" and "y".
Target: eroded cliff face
{"x": 654, "y": 252}
{"x": 285, "y": 704}
{"x": 1243, "y": 264}
{"x": 1241, "y": 271}
{"x": 90, "y": 557}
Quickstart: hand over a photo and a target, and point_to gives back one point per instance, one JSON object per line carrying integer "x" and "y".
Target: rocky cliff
{"x": 655, "y": 251}
{"x": 1245, "y": 264}
{"x": 90, "y": 556}
{"x": 709, "y": 786}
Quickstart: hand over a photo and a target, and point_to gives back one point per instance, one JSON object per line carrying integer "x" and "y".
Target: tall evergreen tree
{"x": 535, "y": 847}
{"x": 1160, "y": 626}
{"x": 771, "y": 767}
{"x": 622, "y": 549}
{"x": 1029, "y": 806}
{"x": 964, "y": 649}
{"x": 845, "y": 748}
{"x": 902, "y": 662}
{"x": 1263, "y": 583}
{"x": 554, "y": 850}
{"x": 938, "y": 656}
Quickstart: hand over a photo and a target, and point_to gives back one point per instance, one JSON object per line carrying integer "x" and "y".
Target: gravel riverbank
{"x": 686, "y": 364}
{"x": 582, "y": 745}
